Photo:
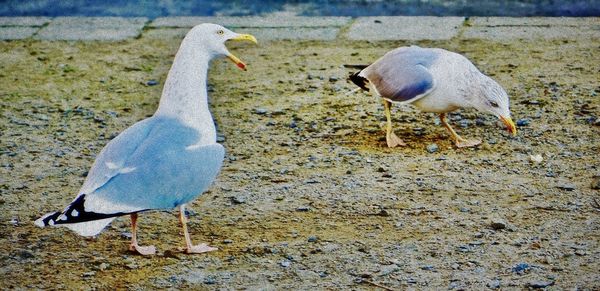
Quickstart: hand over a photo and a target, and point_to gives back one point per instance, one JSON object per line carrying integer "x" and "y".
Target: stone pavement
{"x": 375, "y": 28}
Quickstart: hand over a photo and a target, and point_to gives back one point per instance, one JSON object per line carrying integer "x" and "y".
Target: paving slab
{"x": 24, "y": 21}
{"x": 510, "y": 28}
{"x": 262, "y": 34}
{"x": 252, "y": 21}
{"x": 92, "y": 28}
{"x": 405, "y": 28}
{"x": 17, "y": 32}
{"x": 534, "y": 21}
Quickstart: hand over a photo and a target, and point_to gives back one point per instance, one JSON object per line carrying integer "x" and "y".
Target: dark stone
{"x": 498, "y": 225}
{"x": 152, "y": 83}
{"x": 523, "y": 122}
{"x": 566, "y": 186}
{"x": 596, "y": 183}
{"x": 521, "y": 268}
{"x": 540, "y": 284}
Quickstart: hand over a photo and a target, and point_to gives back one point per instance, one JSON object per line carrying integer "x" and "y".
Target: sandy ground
{"x": 310, "y": 197}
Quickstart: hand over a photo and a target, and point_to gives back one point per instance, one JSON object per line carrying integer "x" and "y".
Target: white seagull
{"x": 433, "y": 80}
{"x": 161, "y": 162}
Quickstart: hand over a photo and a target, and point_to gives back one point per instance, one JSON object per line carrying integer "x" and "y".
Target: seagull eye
{"x": 220, "y": 32}
{"x": 493, "y": 103}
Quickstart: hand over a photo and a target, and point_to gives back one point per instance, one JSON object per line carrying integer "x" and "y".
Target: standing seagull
{"x": 161, "y": 162}
{"x": 433, "y": 80}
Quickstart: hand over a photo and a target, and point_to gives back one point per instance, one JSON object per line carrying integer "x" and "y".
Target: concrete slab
{"x": 17, "y": 32}
{"x": 508, "y": 33}
{"x": 24, "y": 21}
{"x": 262, "y": 34}
{"x": 534, "y": 21}
{"x": 405, "y": 28}
{"x": 92, "y": 28}
{"x": 510, "y": 28}
{"x": 294, "y": 33}
{"x": 252, "y": 21}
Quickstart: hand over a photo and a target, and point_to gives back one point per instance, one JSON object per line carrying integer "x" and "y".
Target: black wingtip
{"x": 359, "y": 81}
{"x": 48, "y": 219}
{"x": 357, "y": 67}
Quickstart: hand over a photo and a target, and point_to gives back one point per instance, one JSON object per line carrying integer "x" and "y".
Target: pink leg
{"x": 134, "y": 247}
{"x": 192, "y": 249}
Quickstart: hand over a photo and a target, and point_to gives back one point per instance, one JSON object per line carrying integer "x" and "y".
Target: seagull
{"x": 164, "y": 161}
{"x": 433, "y": 80}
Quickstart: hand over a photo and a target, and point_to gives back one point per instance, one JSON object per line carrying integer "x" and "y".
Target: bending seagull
{"x": 161, "y": 162}
{"x": 433, "y": 80}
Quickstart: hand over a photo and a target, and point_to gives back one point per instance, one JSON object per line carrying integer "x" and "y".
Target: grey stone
{"x": 17, "y": 32}
{"x": 432, "y": 148}
{"x": 405, "y": 28}
{"x": 92, "y": 28}
{"x": 540, "y": 284}
{"x": 252, "y": 21}
{"x": 24, "y": 21}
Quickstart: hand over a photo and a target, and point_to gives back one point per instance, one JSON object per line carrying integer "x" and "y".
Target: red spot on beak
{"x": 241, "y": 66}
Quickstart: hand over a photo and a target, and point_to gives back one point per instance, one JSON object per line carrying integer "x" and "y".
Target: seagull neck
{"x": 184, "y": 95}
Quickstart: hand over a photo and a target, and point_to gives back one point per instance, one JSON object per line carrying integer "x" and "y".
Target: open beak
{"x": 510, "y": 125}
{"x": 233, "y": 58}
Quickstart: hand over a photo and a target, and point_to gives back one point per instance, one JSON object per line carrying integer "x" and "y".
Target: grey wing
{"x": 402, "y": 75}
{"x": 111, "y": 160}
{"x": 161, "y": 181}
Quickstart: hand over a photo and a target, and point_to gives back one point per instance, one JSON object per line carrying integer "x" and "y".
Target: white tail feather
{"x": 89, "y": 228}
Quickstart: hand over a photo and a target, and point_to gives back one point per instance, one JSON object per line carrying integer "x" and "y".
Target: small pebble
{"x": 432, "y": 148}
{"x": 498, "y": 225}
{"x": 285, "y": 263}
{"x": 312, "y": 238}
{"x": 303, "y": 209}
{"x": 333, "y": 79}
{"x": 566, "y": 186}
{"x": 210, "y": 280}
{"x": 260, "y": 111}
{"x": 596, "y": 183}
{"x": 103, "y": 266}
{"x": 523, "y": 122}
{"x": 152, "y": 83}
{"x": 238, "y": 199}
{"x": 536, "y": 158}
{"x": 540, "y": 284}
{"x": 521, "y": 268}
{"x": 494, "y": 284}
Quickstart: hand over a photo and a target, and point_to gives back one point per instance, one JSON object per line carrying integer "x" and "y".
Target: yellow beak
{"x": 510, "y": 125}
{"x": 233, "y": 58}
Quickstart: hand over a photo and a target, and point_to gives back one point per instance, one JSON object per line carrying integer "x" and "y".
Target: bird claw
{"x": 144, "y": 251}
{"x": 466, "y": 143}
{"x": 199, "y": 249}
{"x": 393, "y": 140}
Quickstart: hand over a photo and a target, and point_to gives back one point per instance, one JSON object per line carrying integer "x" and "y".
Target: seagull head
{"x": 494, "y": 100}
{"x": 213, "y": 37}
